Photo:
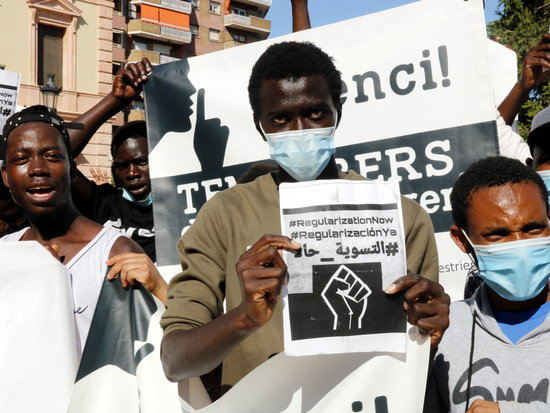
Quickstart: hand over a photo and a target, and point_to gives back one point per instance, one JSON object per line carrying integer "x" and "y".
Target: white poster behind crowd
{"x": 353, "y": 246}
{"x": 418, "y": 108}
{"x": 9, "y": 89}
{"x": 38, "y": 357}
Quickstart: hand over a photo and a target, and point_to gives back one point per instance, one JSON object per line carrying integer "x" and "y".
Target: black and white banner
{"x": 418, "y": 108}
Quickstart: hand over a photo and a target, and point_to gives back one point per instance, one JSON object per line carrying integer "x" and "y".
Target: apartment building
{"x": 165, "y": 30}
{"x": 85, "y": 42}
{"x": 71, "y": 39}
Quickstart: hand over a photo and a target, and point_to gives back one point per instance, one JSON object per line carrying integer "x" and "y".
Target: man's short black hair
{"x": 486, "y": 173}
{"x": 134, "y": 129}
{"x": 293, "y": 60}
{"x": 36, "y": 113}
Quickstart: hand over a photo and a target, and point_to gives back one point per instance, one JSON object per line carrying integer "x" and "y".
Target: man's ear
{"x": 339, "y": 113}
{"x": 5, "y": 177}
{"x": 258, "y": 128}
{"x": 460, "y": 240}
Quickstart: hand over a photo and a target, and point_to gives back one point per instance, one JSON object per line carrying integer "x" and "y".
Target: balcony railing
{"x": 177, "y": 5}
{"x": 153, "y": 30}
{"x": 248, "y": 23}
{"x": 175, "y": 34}
{"x": 136, "y": 55}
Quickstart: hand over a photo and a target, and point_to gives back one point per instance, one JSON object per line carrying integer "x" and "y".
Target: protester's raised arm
{"x": 300, "y": 15}
{"x": 262, "y": 272}
{"x": 532, "y": 74}
{"x": 126, "y": 86}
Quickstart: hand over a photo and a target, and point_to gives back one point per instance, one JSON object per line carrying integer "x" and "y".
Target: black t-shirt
{"x": 111, "y": 209}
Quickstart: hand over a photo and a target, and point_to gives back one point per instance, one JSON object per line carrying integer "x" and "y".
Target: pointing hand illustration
{"x": 210, "y": 139}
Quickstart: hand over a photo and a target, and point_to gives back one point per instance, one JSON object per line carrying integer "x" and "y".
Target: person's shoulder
{"x": 13, "y": 236}
{"x": 108, "y": 189}
{"x": 460, "y": 325}
{"x": 264, "y": 184}
{"x": 460, "y": 315}
{"x": 354, "y": 176}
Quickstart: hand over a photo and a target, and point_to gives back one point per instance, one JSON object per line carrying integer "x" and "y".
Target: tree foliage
{"x": 521, "y": 26}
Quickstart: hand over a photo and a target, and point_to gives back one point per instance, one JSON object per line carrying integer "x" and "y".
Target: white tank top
{"x": 88, "y": 270}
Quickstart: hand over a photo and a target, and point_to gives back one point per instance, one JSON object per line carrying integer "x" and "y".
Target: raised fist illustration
{"x": 346, "y": 297}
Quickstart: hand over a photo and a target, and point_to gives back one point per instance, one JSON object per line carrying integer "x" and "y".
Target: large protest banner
{"x": 354, "y": 382}
{"x": 418, "y": 108}
{"x": 120, "y": 368}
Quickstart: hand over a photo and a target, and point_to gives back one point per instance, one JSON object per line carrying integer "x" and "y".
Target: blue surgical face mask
{"x": 303, "y": 153}
{"x": 144, "y": 203}
{"x": 515, "y": 270}
{"x": 545, "y": 175}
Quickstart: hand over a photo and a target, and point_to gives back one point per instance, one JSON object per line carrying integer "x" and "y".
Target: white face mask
{"x": 303, "y": 153}
{"x": 515, "y": 270}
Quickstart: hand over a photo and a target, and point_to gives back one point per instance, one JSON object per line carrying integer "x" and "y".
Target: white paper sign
{"x": 9, "y": 89}
{"x": 353, "y": 246}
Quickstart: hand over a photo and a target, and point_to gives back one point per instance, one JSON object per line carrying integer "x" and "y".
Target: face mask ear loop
{"x": 470, "y": 255}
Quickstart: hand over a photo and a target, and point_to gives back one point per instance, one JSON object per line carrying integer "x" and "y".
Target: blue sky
{"x": 323, "y": 12}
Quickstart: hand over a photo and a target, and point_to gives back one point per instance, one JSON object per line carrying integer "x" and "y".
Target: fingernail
{"x": 296, "y": 244}
{"x": 390, "y": 288}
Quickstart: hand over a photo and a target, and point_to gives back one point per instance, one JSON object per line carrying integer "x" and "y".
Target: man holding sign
{"x": 295, "y": 93}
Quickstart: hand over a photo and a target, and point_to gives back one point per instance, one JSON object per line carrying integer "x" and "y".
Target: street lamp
{"x": 50, "y": 92}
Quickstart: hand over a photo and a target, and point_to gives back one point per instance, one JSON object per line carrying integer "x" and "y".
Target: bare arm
{"x": 262, "y": 271}
{"x": 532, "y": 74}
{"x": 126, "y": 86}
{"x": 130, "y": 264}
{"x": 300, "y": 15}
{"x": 132, "y": 267}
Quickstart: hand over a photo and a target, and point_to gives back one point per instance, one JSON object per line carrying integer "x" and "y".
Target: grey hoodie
{"x": 515, "y": 375}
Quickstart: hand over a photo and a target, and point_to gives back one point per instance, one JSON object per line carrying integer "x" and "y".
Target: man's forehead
{"x": 506, "y": 197}
{"x": 292, "y": 83}
{"x": 304, "y": 90}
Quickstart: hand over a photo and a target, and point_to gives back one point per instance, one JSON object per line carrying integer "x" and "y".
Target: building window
{"x": 194, "y": 30}
{"x": 140, "y": 46}
{"x": 50, "y": 53}
{"x": 214, "y": 7}
{"x": 162, "y": 49}
{"x": 118, "y": 38}
{"x": 239, "y": 38}
{"x": 118, "y": 7}
{"x": 214, "y": 35}
{"x": 195, "y": 4}
{"x": 240, "y": 12}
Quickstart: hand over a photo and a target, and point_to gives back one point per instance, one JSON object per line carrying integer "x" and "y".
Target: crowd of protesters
{"x": 224, "y": 307}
